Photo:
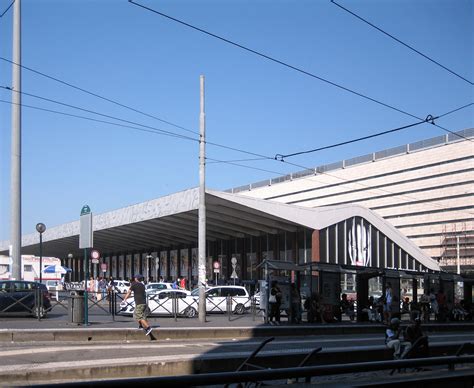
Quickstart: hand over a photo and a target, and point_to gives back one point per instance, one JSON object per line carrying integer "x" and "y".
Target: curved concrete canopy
{"x": 172, "y": 221}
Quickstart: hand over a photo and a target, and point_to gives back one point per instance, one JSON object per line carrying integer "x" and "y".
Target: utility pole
{"x": 458, "y": 259}
{"x": 15, "y": 190}
{"x": 202, "y": 207}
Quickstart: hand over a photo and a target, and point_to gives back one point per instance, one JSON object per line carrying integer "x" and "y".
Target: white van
{"x": 216, "y": 299}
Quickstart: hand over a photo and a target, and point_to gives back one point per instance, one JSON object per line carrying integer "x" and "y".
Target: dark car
{"x": 19, "y": 297}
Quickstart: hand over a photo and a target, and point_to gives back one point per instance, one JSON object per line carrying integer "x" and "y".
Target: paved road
{"x": 18, "y": 353}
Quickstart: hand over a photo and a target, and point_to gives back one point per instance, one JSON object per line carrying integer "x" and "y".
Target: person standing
{"x": 139, "y": 295}
{"x": 387, "y": 307}
{"x": 274, "y": 301}
{"x": 295, "y": 304}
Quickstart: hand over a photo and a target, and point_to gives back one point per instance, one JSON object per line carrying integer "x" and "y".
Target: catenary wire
{"x": 370, "y": 188}
{"x": 281, "y": 156}
{"x": 285, "y": 64}
{"x": 98, "y": 95}
{"x": 89, "y": 111}
{"x": 403, "y": 43}
{"x": 4, "y": 12}
{"x": 455, "y": 110}
{"x": 100, "y": 121}
{"x": 216, "y": 160}
{"x": 242, "y": 165}
{"x": 150, "y": 128}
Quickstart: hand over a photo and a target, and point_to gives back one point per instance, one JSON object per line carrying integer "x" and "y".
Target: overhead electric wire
{"x": 243, "y": 165}
{"x": 216, "y": 160}
{"x": 455, "y": 110}
{"x": 280, "y": 62}
{"x": 4, "y": 12}
{"x": 100, "y": 121}
{"x": 427, "y": 120}
{"x": 370, "y": 188}
{"x": 98, "y": 95}
{"x": 150, "y": 128}
{"x": 403, "y": 43}
{"x": 91, "y": 111}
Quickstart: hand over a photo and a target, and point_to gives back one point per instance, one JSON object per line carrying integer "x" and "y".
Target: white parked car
{"x": 216, "y": 299}
{"x": 121, "y": 286}
{"x": 158, "y": 286}
{"x": 161, "y": 303}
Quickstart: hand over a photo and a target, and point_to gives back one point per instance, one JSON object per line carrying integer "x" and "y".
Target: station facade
{"x": 424, "y": 189}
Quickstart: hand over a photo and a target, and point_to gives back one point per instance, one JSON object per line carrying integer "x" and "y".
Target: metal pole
{"x": 41, "y": 257}
{"x": 86, "y": 298}
{"x": 202, "y": 207}
{"x": 15, "y": 190}
{"x": 458, "y": 260}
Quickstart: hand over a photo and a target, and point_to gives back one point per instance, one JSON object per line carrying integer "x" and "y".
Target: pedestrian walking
{"x": 139, "y": 295}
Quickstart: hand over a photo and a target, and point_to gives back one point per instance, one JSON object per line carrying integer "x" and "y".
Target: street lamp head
{"x": 70, "y": 256}
{"x": 149, "y": 257}
{"x": 40, "y": 227}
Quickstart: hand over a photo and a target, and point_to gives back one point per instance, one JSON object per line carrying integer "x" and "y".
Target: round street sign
{"x": 216, "y": 265}
{"x": 95, "y": 255}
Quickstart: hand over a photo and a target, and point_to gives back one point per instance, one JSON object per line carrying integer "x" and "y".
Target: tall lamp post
{"x": 40, "y": 228}
{"x": 70, "y": 257}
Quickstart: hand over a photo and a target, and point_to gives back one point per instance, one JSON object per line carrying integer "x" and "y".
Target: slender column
{"x": 202, "y": 208}
{"x": 15, "y": 233}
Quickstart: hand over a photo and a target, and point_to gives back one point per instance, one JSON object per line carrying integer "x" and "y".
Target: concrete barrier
{"x": 124, "y": 335}
{"x": 185, "y": 365}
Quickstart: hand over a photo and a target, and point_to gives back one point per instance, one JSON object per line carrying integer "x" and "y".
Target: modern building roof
{"x": 172, "y": 221}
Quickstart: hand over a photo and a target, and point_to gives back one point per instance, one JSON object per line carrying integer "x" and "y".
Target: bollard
{"x": 253, "y": 307}
{"x": 39, "y": 302}
{"x": 174, "y": 306}
{"x": 229, "y": 306}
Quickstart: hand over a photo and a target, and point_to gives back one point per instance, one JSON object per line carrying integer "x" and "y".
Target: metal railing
{"x": 30, "y": 302}
{"x": 306, "y": 372}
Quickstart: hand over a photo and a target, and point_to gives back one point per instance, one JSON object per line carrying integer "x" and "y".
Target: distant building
{"x": 425, "y": 189}
{"x": 30, "y": 268}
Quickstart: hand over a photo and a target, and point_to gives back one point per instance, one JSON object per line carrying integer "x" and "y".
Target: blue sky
{"x": 140, "y": 59}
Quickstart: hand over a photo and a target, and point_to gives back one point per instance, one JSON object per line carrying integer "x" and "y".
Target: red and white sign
{"x": 95, "y": 256}
{"x": 216, "y": 265}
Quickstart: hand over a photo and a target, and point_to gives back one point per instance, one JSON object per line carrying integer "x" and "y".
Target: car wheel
{"x": 39, "y": 312}
{"x": 239, "y": 309}
{"x": 190, "y": 312}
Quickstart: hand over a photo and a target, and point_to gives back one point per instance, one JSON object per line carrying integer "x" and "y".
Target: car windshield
{"x": 195, "y": 292}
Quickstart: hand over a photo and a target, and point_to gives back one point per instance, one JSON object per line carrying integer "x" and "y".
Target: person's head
{"x": 389, "y": 285}
{"x": 395, "y": 322}
{"x": 344, "y": 296}
{"x": 138, "y": 278}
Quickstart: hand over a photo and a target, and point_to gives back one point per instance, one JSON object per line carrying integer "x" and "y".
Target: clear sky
{"x": 138, "y": 58}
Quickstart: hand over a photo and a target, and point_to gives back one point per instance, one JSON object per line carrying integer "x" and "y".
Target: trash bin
{"x": 75, "y": 310}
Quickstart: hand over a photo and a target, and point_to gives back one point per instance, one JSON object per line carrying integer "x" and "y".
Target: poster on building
{"x": 164, "y": 264}
{"x": 251, "y": 265}
{"x": 136, "y": 264}
{"x": 209, "y": 270}
{"x": 223, "y": 270}
{"x": 173, "y": 264}
{"x": 153, "y": 265}
{"x": 113, "y": 266}
{"x": 236, "y": 270}
{"x": 121, "y": 266}
{"x": 128, "y": 267}
{"x": 194, "y": 262}
{"x": 184, "y": 263}
{"x": 359, "y": 242}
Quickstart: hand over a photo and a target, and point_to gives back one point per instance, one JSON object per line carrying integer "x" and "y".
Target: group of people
{"x": 97, "y": 287}
{"x": 412, "y": 340}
